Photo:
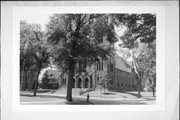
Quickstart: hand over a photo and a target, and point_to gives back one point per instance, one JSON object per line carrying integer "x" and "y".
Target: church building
{"x": 116, "y": 69}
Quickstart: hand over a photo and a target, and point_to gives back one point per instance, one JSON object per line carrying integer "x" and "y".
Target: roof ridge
{"x": 124, "y": 61}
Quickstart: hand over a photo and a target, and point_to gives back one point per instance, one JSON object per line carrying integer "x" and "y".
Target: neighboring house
{"x": 52, "y": 70}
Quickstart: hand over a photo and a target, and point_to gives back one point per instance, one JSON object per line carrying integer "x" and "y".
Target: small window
{"x": 111, "y": 67}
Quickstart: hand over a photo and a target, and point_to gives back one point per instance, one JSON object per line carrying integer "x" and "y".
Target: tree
{"x": 138, "y": 73}
{"x": 104, "y": 80}
{"x": 140, "y": 27}
{"x": 41, "y": 60}
{"x": 49, "y": 81}
{"x": 76, "y": 38}
{"x": 140, "y": 40}
{"x": 45, "y": 80}
{"x": 148, "y": 62}
{"x": 33, "y": 54}
{"x": 26, "y": 38}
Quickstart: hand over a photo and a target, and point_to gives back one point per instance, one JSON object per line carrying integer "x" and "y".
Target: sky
{"x": 42, "y": 19}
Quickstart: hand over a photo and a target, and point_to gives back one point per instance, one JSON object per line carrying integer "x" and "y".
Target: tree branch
{"x": 36, "y": 35}
{"x": 90, "y": 17}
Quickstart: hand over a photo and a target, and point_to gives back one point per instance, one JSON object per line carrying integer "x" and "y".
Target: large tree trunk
{"x": 24, "y": 83}
{"x": 35, "y": 88}
{"x": 36, "y": 84}
{"x": 23, "y": 80}
{"x": 153, "y": 89}
{"x": 139, "y": 88}
{"x": 70, "y": 81}
{"x": 154, "y": 86}
{"x": 139, "y": 91}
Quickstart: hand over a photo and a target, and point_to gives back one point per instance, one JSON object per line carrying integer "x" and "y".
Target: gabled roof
{"x": 122, "y": 64}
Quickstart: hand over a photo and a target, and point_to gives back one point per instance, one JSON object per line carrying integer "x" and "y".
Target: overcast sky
{"x": 37, "y": 19}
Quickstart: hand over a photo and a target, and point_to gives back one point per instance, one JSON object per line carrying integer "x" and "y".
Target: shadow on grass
{"x": 136, "y": 95}
{"x": 108, "y": 93}
{"x": 42, "y": 96}
{"x": 42, "y": 91}
{"x": 77, "y": 102}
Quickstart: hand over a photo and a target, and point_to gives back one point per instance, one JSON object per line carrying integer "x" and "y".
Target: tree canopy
{"x": 77, "y": 38}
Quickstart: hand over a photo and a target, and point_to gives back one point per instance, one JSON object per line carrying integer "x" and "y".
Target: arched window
{"x": 102, "y": 65}
{"x": 86, "y": 83}
{"x": 110, "y": 66}
{"x": 99, "y": 66}
{"x": 118, "y": 80}
{"x": 91, "y": 83}
{"x": 122, "y": 84}
{"x": 79, "y": 83}
{"x": 127, "y": 82}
